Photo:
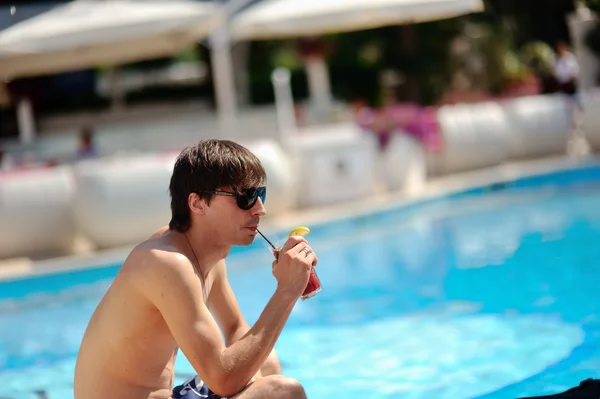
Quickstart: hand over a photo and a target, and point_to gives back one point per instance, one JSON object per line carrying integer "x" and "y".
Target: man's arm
{"x": 225, "y": 308}
{"x": 171, "y": 283}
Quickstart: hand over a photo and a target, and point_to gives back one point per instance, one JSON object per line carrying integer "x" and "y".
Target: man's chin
{"x": 246, "y": 241}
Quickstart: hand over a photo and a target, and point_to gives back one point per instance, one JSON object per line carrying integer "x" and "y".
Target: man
{"x": 160, "y": 299}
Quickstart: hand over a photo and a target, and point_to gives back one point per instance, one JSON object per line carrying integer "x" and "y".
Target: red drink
{"x": 313, "y": 287}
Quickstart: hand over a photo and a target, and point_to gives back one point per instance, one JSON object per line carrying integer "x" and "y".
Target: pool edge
{"x": 436, "y": 189}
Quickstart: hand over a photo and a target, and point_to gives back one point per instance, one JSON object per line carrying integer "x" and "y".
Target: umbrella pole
{"x": 25, "y": 121}
{"x": 223, "y": 80}
{"x": 284, "y": 105}
{"x": 319, "y": 85}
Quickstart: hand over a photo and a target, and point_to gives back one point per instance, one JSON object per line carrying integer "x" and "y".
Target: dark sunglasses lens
{"x": 247, "y": 200}
{"x": 262, "y": 193}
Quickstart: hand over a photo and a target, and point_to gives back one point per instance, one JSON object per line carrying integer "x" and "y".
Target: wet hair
{"x": 210, "y": 165}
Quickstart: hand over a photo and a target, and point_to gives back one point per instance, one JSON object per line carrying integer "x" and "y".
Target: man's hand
{"x": 292, "y": 266}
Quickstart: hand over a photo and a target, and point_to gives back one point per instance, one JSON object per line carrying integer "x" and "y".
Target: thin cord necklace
{"x": 202, "y": 282}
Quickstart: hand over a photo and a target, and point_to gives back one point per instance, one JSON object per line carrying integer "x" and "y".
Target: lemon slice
{"x": 300, "y": 231}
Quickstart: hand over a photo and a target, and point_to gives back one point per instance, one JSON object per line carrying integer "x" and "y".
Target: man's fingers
{"x": 312, "y": 258}
{"x": 292, "y": 242}
{"x": 302, "y": 250}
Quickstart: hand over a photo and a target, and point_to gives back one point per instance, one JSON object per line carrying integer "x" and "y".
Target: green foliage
{"x": 419, "y": 53}
{"x": 494, "y": 41}
{"x": 539, "y": 56}
{"x": 512, "y": 38}
{"x": 286, "y": 56}
{"x": 188, "y": 55}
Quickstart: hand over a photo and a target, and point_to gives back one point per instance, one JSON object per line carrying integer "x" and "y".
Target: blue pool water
{"x": 488, "y": 294}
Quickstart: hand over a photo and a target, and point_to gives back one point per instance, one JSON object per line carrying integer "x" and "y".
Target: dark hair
{"x": 210, "y": 165}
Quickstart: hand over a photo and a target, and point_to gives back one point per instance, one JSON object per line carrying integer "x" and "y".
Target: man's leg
{"x": 273, "y": 387}
{"x": 271, "y": 366}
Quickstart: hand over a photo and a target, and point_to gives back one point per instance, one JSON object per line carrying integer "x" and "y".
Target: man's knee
{"x": 285, "y": 387}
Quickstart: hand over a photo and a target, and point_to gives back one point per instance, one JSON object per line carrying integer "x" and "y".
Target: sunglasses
{"x": 245, "y": 199}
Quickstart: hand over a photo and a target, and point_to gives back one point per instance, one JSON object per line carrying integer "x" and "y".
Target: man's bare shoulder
{"x": 164, "y": 276}
{"x": 157, "y": 261}
{"x": 160, "y": 232}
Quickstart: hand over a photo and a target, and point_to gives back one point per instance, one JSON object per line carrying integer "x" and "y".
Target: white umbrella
{"x": 85, "y": 33}
{"x": 292, "y": 18}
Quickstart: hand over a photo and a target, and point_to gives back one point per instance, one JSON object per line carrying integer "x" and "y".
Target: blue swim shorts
{"x": 194, "y": 388}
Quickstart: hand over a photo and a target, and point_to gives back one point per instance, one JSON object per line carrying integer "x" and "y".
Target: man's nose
{"x": 259, "y": 208}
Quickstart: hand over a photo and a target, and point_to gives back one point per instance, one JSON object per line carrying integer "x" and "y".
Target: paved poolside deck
{"x": 25, "y": 267}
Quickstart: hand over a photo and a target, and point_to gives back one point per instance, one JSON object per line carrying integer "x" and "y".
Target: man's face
{"x": 231, "y": 224}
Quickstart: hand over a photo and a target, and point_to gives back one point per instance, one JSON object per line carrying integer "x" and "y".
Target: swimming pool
{"x": 490, "y": 293}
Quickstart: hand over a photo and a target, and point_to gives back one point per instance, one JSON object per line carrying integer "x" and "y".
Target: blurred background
{"x": 443, "y": 152}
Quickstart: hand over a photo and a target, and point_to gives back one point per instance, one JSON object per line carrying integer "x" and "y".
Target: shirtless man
{"x": 160, "y": 299}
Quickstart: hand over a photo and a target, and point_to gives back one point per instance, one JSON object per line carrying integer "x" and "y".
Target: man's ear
{"x": 197, "y": 205}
